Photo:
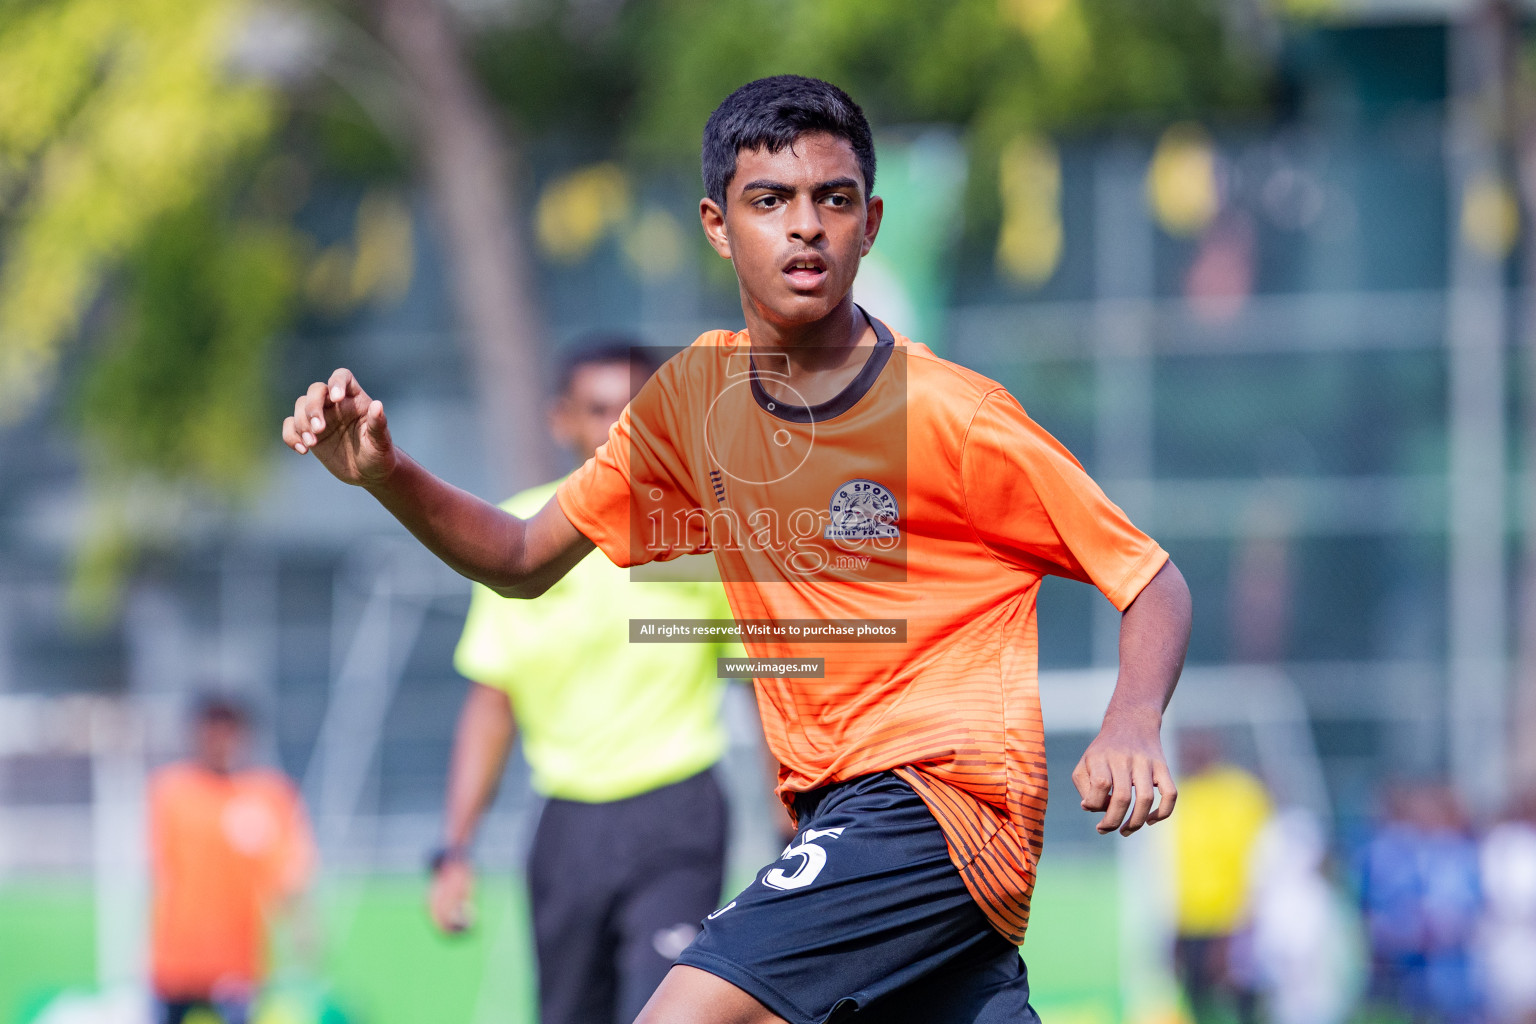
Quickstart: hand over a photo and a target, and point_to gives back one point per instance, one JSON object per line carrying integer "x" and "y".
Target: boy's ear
{"x": 872, "y": 214}
{"x": 713, "y": 219}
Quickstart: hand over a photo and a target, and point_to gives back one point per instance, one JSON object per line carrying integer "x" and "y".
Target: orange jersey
{"x": 921, "y": 493}
{"x": 224, "y": 850}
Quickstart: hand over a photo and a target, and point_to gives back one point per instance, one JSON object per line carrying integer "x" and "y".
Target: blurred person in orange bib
{"x": 230, "y": 845}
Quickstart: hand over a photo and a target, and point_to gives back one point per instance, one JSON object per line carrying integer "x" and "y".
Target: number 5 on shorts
{"x": 812, "y": 859}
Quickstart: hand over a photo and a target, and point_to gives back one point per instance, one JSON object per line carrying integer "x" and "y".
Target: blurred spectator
{"x": 1419, "y": 887}
{"x": 629, "y": 853}
{"x": 1508, "y": 939}
{"x": 230, "y": 845}
{"x": 1222, "y": 810}
{"x": 1307, "y": 955}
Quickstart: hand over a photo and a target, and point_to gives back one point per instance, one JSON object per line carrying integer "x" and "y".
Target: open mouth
{"x": 806, "y": 271}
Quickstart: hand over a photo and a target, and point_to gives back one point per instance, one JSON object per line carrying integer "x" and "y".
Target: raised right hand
{"x": 345, "y": 429}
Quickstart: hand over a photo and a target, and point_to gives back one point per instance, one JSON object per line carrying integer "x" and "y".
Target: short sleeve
{"x": 483, "y": 653}
{"x": 1033, "y": 507}
{"x": 639, "y": 476}
{"x": 506, "y": 642}
{"x": 502, "y": 637}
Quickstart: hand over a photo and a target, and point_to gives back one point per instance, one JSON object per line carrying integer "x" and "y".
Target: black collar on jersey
{"x": 845, "y": 399}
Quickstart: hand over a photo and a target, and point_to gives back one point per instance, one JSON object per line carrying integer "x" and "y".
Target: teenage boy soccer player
{"x": 839, "y": 471}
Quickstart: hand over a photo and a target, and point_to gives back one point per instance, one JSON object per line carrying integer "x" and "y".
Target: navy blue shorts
{"x": 864, "y": 918}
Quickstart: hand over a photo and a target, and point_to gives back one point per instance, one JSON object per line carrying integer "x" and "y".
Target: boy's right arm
{"x": 349, "y": 434}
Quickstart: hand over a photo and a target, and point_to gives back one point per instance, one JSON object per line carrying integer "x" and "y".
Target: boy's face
{"x": 795, "y": 225}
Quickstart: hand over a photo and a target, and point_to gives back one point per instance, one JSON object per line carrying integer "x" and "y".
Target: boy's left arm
{"x": 1127, "y": 754}
{"x": 1033, "y": 508}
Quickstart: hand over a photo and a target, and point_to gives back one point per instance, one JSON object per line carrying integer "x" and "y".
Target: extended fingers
{"x": 312, "y": 409}
{"x": 299, "y": 430}
{"x": 344, "y": 392}
{"x": 1162, "y": 778}
{"x": 1141, "y": 779}
{"x": 293, "y": 437}
{"x": 326, "y": 405}
{"x": 1119, "y": 797}
{"x": 308, "y": 422}
{"x": 377, "y": 421}
{"x": 1093, "y": 781}
{"x": 342, "y": 385}
{"x": 303, "y": 421}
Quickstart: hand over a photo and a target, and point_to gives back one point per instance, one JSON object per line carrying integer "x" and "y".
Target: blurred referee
{"x": 629, "y": 852}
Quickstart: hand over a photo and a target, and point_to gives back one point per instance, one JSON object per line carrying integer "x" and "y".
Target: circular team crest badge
{"x": 862, "y": 510}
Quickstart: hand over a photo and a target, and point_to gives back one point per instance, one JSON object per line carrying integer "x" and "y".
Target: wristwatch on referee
{"x": 446, "y": 855}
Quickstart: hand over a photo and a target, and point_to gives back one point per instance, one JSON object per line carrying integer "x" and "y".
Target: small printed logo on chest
{"x": 862, "y": 510}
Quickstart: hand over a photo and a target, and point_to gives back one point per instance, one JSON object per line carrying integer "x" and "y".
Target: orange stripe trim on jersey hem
{"x": 984, "y": 879}
{"x": 955, "y": 818}
{"x": 961, "y": 834}
{"x": 984, "y": 869}
{"x": 1000, "y": 913}
{"x": 1006, "y": 907}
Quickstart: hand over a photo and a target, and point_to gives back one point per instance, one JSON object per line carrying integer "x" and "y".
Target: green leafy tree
{"x": 123, "y": 141}
{"x": 113, "y": 114}
{"x": 137, "y": 204}
{"x": 648, "y": 75}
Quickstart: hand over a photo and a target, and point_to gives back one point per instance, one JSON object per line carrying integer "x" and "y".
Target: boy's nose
{"x": 805, "y": 222}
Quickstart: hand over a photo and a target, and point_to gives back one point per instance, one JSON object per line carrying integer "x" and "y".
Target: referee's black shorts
{"x": 617, "y": 892}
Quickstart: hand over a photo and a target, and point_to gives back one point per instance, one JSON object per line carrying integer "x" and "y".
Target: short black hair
{"x": 212, "y": 707}
{"x": 601, "y": 350}
{"x": 771, "y": 113}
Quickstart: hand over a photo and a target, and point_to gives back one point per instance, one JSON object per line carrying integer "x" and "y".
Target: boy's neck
{"x": 824, "y": 355}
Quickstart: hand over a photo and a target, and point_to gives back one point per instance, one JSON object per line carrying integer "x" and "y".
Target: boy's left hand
{"x": 1126, "y": 755}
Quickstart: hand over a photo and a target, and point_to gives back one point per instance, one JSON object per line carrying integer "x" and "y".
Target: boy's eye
{"x": 767, "y": 202}
{"x": 838, "y": 199}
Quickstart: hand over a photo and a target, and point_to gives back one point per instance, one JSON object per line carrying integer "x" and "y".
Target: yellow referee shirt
{"x": 601, "y": 719}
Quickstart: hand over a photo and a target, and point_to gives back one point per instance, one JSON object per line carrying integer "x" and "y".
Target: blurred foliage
{"x": 113, "y": 113}
{"x": 202, "y": 300}
{"x": 148, "y": 193}
{"x": 994, "y": 66}
{"x": 176, "y": 401}
{"x": 377, "y": 263}
{"x": 1005, "y": 71}
{"x": 1029, "y": 240}
{"x": 124, "y": 142}
{"x": 1181, "y": 183}
{"x": 575, "y": 210}
{"x": 343, "y": 138}
{"x": 1490, "y": 215}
